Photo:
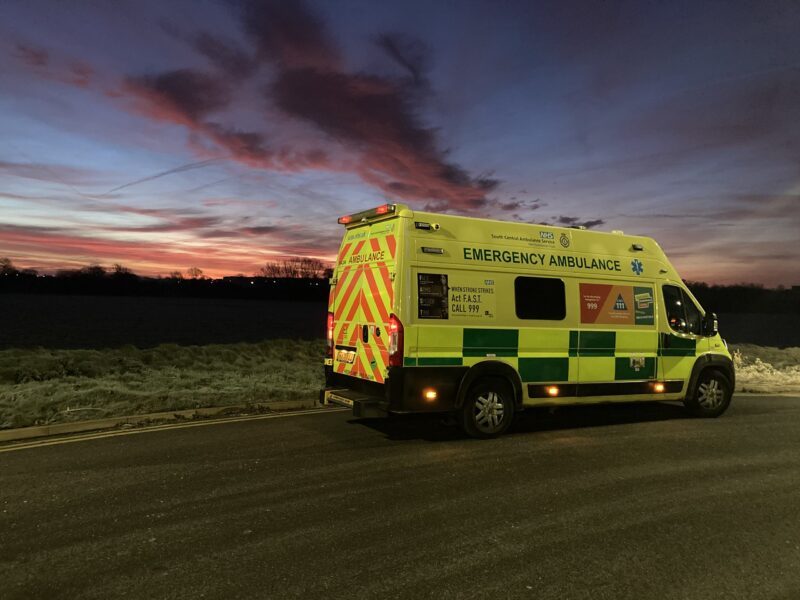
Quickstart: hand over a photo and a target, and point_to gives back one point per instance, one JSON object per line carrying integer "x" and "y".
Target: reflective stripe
{"x": 364, "y": 295}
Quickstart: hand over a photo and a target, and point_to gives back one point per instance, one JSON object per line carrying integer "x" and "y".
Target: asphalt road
{"x": 617, "y": 502}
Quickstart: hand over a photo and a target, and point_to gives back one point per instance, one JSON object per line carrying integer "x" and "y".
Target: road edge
{"x": 38, "y": 431}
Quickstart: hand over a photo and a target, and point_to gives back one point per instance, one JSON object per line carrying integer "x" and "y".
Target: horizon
{"x": 110, "y": 270}
{"x": 227, "y": 135}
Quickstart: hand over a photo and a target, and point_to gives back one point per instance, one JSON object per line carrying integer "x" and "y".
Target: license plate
{"x": 340, "y": 400}
{"x": 346, "y": 356}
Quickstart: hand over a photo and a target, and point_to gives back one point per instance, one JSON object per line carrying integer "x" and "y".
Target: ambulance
{"x": 435, "y": 313}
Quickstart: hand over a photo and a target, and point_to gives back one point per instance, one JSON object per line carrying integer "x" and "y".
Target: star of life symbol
{"x": 637, "y": 266}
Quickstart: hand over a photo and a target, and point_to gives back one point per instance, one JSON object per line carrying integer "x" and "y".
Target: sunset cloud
{"x": 376, "y": 118}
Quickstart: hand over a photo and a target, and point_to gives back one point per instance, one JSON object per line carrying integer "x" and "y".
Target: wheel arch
{"x": 704, "y": 362}
{"x": 490, "y": 368}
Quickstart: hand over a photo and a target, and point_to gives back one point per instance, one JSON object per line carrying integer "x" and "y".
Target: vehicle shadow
{"x": 436, "y": 428}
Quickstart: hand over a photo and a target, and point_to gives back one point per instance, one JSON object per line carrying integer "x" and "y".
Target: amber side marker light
{"x": 430, "y": 394}
{"x": 659, "y": 387}
{"x": 552, "y": 390}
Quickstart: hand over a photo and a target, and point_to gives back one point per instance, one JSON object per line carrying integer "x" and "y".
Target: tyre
{"x": 711, "y": 396}
{"x": 488, "y": 408}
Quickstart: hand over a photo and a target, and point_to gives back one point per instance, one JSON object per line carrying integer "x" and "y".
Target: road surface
{"x": 631, "y": 501}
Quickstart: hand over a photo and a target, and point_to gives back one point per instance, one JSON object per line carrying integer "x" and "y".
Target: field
{"x": 61, "y": 321}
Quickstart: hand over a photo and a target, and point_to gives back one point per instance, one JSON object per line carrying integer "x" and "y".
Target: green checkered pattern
{"x": 542, "y": 355}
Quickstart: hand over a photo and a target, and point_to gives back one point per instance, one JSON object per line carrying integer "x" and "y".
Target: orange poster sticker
{"x": 607, "y": 304}
{"x": 616, "y": 304}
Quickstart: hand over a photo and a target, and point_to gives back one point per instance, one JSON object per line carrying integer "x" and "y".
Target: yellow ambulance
{"x": 483, "y": 318}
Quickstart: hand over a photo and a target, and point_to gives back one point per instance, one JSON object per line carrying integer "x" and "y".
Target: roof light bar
{"x": 365, "y": 215}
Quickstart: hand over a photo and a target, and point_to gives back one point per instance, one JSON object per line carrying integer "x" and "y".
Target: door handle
{"x": 365, "y": 333}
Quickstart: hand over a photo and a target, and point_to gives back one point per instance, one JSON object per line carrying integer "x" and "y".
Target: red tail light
{"x": 395, "y": 342}
{"x": 330, "y": 335}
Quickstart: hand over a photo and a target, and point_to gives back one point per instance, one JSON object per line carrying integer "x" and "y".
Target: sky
{"x": 227, "y": 134}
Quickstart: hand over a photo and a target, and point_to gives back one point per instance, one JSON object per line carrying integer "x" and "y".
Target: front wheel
{"x": 712, "y": 396}
{"x": 488, "y": 408}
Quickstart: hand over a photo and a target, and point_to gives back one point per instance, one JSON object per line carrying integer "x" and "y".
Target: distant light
{"x": 552, "y": 390}
{"x": 430, "y": 394}
{"x": 659, "y": 388}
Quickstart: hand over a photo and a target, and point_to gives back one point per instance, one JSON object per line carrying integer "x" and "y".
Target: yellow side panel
{"x": 677, "y": 367}
{"x": 436, "y": 338}
{"x": 596, "y": 368}
{"x": 546, "y": 341}
{"x": 636, "y": 342}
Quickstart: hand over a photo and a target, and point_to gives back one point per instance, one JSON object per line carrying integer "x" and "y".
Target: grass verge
{"x": 40, "y": 386}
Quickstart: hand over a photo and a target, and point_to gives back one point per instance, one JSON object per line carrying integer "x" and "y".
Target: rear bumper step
{"x": 363, "y": 406}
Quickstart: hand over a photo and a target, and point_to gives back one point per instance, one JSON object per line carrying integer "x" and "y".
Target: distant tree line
{"x": 746, "y": 298}
{"x": 293, "y": 268}
{"x": 307, "y": 279}
{"x": 290, "y": 279}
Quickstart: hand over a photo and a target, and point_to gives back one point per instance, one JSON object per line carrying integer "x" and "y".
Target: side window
{"x": 673, "y": 303}
{"x": 682, "y": 314}
{"x": 540, "y": 298}
{"x": 693, "y": 317}
{"x": 432, "y": 293}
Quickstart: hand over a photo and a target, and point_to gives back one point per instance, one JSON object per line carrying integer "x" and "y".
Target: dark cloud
{"x": 576, "y": 222}
{"x": 516, "y": 205}
{"x": 289, "y": 34}
{"x": 379, "y": 119}
{"x": 186, "y": 97}
{"x": 375, "y": 116}
{"x": 409, "y": 52}
{"x": 226, "y": 55}
{"x": 185, "y": 93}
{"x": 31, "y": 56}
{"x": 259, "y": 230}
{"x": 247, "y": 145}
{"x": 592, "y": 223}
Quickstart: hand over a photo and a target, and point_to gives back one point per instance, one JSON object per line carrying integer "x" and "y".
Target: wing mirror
{"x": 710, "y": 324}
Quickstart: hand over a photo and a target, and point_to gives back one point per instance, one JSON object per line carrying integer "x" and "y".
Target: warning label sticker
{"x": 616, "y": 304}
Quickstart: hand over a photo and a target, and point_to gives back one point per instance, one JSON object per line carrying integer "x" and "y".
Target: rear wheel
{"x": 488, "y": 408}
{"x": 711, "y": 396}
